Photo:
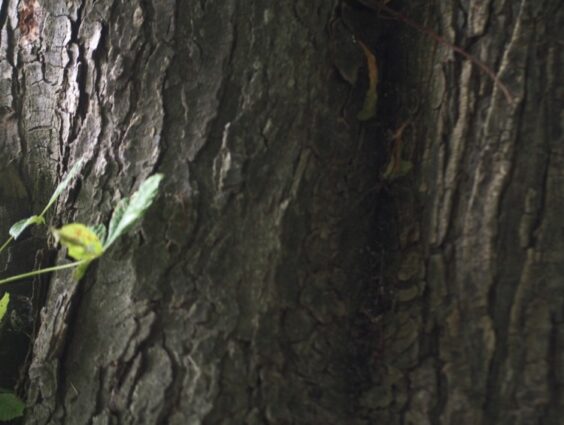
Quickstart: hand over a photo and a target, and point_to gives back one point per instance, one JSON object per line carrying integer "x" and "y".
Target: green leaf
{"x": 81, "y": 270}
{"x": 119, "y": 211}
{"x": 100, "y": 231}
{"x": 4, "y": 305}
{"x": 63, "y": 184}
{"x": 11, "y": 406}
{"x": 127, "y": 212}
{"x": 18, "y": 227}
{"x": 82, "y": 243}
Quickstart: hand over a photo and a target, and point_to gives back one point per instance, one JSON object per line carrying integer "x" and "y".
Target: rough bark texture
{"x": 232, "y": 302}
{"x": 480, "y": 228}
{"x": 246, "y": 292}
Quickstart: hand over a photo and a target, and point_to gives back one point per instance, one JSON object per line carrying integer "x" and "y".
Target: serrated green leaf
{"x": 119, "y": 211}
{"x": 100, "y": 231}
{"x": 128, "y": 212}
{"x": 81, "y": 242}
{"x": 18, "y": 227}
{"x": 4, "y": 305}
{"x": 64, "y": 183}
{"x": 10, "y": 406}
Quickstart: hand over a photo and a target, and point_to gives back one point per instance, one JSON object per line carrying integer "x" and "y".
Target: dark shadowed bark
{"x": 278, "y": 278}
{"x": 481, "y": 263}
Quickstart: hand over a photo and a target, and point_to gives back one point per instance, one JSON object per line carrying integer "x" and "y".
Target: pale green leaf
{"x": 128, "y": 212}
{"x": 10, "y": 406}
{"x": 119, "y": 211}
{"x": 4, "y": 305}
{"x": 100, "y": 231}
{"x": 64, "y": 183}
{"x": 81, "y": 242}
{"x": 18, "y": 227}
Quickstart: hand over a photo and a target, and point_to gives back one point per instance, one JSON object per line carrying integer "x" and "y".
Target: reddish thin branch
{"x": 378, "y": 5}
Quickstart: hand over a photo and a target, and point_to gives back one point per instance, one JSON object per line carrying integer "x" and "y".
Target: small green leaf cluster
{"x": 84, "y": 244}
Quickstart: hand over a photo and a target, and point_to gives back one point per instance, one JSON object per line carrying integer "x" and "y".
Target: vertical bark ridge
{"x": 491, "y": 299}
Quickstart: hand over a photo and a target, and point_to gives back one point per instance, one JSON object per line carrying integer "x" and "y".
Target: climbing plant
{"x": 84, "y": 244}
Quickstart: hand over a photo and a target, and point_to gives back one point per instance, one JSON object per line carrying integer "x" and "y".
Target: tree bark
{"x": 479, "y": 340}
{"x": 278, "y": 278}
{"x": 230, "y": 304}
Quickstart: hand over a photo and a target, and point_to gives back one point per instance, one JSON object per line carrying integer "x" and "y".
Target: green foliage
{"x": 4, "y": 305}
{"x": 11, "y": 406}
{"x": 63, "y": 184}
{"x": 17, "y": 229}
{"x": 81, "y": 242}
{"x": 118, "y": 214}
{"x": 100, "y": 231}
{"x": 84, "y": 244}
{"x": 127, "y": 212}
{"x": 81, "y": 269}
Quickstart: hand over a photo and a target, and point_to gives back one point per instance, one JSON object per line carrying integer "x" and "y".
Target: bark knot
{"x": 28, "y": 20}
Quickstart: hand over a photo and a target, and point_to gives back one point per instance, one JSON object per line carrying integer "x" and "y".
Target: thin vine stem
{"x": 8, "y": 241}
{"x": 42, "y": 271}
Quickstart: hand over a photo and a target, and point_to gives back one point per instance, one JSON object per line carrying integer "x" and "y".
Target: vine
{"x": 84, "y": 244}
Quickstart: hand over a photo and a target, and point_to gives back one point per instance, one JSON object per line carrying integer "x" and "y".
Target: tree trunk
{"x": 279, "y": 278}
{"x": 476, "y": 334}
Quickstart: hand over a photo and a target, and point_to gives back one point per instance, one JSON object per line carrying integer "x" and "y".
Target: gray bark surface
{"x": 273, "y": 282}
{"x": 231, "y": 303}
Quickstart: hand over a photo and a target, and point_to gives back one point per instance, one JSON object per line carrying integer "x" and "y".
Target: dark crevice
{"x": 83, "y": 96}
{"x": 81, "y": 63}
{"x": 377, "y": 304}
{"x": 4, "y": 15}
{"x": 99, "y": 56}
{"x": 75, "y": 298}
